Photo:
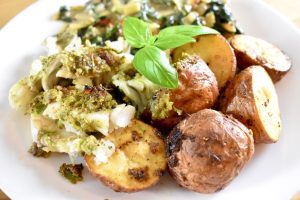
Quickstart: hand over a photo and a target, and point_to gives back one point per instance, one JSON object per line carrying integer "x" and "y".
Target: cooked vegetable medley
{"x": 123, "y": 74}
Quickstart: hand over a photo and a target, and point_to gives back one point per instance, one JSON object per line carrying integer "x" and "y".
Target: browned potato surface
{"x": 138, "y": 162}
{"x": 207, "y": 150}
{"x": 252, "y": 99}
{"x": 216, "y": 52}
{"x": 254, "y": 51}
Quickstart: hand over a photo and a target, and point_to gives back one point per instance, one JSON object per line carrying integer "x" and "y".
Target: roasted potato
{"x": 198, "y": 89}
{"x": 138, "y": 162}
{"x": 207, "y": 150}
{"x": 252, "y": 99}
{"x": 254, "y": 51}
{"x": 216, "y": 52}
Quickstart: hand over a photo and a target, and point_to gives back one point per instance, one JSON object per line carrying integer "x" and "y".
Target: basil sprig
{"x": 151, "y": 60}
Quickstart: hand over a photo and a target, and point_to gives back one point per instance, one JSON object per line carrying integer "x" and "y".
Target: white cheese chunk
{"x": 104, "y": 152}
{"x": 122, "y": 115}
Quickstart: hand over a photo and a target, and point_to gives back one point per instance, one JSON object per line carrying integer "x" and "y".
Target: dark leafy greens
{"x": 222, "y": 15}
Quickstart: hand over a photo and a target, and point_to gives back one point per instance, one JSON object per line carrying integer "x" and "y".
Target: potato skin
{"x": 254, "y": 51}
{"x": 198, "y": 87}
{"x": 238, "y": 100}
{"x": 207, "y": 150}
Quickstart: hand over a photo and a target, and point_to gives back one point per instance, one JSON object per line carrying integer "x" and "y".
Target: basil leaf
{"x": 136, "y": 32}
{"x": 154, "y": 64}
{"x": 172, "y": 41}
{"x": 187, "y": 30}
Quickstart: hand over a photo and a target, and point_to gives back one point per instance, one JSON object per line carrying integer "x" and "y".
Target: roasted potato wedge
{"x": 207, "y": 150}
{"x": 254, "y": 51}
{"x": 138, "y": 162}
{"x": 216, "y": 52}
{"x": 252, "y": 99}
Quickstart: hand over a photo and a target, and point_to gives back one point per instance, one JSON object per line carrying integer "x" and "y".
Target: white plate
{"x": 273, "y": 173}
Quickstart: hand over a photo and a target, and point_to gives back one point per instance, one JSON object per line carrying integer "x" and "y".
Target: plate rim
{"x": 37, "y": 3}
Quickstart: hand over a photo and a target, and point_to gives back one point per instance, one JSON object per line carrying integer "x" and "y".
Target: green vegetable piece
{"x": 187, "y": 30}
{"x": 172, "y": 41}
{"x": 71, "y": 172}
{"x": 23, "y": 92}
{"x": 38, "y": 151}
{"x": 136, "y": 32}
{"x": 154, "y": 64}
{"x": 177, "y": 36}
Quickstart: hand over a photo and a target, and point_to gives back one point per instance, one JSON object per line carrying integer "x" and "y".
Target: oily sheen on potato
{"x": 252, "y": 99}
{"x": 250, "y": 50}
{"x": 207, "y": 150}
{"x": 216, "y": 52}
{"x": 138, "y": 162}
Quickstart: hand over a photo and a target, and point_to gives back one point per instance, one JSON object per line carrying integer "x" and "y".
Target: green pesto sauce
{"x": 56, "y": 142}
{"x": 74, "y": 105}
{"x": 160, "y": 105}
{"x": 88, "y": 61}
{"x": 91, "y": 99}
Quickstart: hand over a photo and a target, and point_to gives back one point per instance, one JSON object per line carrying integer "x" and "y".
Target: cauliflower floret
{"x": 76, "y": 145}
{"x": 80, "y": 111}
{"x": 23, "y": 92}
{"x": 122, "y": 115}
{"x": 99, "y": 121}
{"x": 40, "y": 122}
{"x": 138, "y": 89}
{"x": 90, "y": 63}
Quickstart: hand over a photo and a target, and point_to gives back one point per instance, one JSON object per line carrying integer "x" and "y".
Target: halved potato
{"x": 216, "y": 52}
{"x": 207, "y": 150}
{"x": 254, "y": 51}
{"x": 252, "y": 99}
{"x": 138, "y": 162}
